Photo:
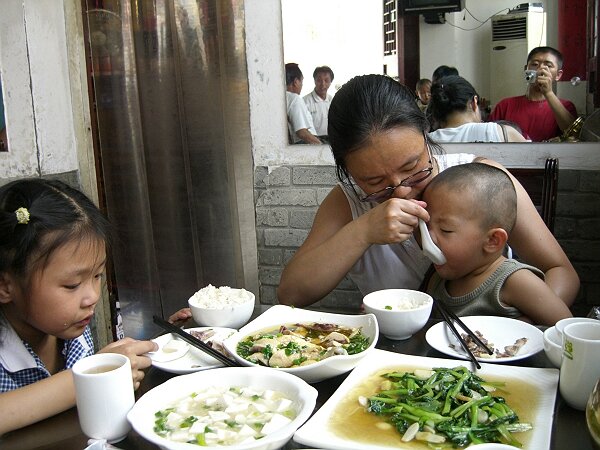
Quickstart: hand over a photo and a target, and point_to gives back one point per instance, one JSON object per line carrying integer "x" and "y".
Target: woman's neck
{"x": 457, "y": 119}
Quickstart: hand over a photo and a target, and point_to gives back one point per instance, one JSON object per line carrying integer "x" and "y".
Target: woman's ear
{"x": 496, "y": 240}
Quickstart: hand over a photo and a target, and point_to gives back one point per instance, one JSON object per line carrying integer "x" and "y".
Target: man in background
{"x": 539, "y": 113}
{"x": 300, "y": 124}
{"x": 318, "y": 100}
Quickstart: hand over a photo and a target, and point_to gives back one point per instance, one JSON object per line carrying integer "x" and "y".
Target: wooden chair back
{"x": 541, "y": 185}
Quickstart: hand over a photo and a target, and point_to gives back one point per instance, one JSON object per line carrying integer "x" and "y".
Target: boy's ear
{"x": 496, "y": 240}
{"x": 6, "y": 288}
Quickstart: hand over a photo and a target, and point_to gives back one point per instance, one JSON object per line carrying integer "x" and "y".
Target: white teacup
{"x": 580, "y": 367}
{"x": 562, "y": 323}
{"x": 104, "y": 392}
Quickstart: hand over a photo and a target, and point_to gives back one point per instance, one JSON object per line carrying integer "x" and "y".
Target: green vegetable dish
{"x": 301, "y": 344}
{"x": 446, "y": 408}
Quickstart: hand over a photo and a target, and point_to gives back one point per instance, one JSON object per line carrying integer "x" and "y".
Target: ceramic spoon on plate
{"x": 171, "y": 350}
{"x": 430, "y": 250}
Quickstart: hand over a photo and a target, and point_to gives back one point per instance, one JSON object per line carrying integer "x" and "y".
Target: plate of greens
{"x": 376, "y": 405}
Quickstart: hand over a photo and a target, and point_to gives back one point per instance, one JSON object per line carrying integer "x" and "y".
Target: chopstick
{"x": 194, "y": 341}
{"x": 474, "y": 336}
{"x": 449, "y": 317}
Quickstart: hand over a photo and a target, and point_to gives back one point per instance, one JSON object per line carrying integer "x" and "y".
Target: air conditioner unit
{"x": 513, "y": 36}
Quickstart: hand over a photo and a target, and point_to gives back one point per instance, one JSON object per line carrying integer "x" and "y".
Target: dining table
{"x": 62, "y": 432}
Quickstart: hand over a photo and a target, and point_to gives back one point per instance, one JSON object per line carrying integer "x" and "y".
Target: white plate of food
{"x": 343, "y": 422}
{"x": 505, "y": 335}
{"x": 302, "y": 341}
{"x": 177, "y": 356}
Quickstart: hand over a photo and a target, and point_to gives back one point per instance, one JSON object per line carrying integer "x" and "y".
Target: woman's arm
{"x": 536, "y": 245}
{"x": 512, "y": 134}
{"x": 336, "y": 242}
{"x": 531, "y": 296}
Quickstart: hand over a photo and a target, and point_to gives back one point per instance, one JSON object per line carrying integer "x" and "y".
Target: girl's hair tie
{"x": 22, "y": 216}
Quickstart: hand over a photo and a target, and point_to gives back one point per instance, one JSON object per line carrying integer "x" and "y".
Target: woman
{"x": 365, "y": 226}
{"x": 454, "y": 106}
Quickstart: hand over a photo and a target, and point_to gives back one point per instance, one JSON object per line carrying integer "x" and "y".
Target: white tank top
{"x": 468, "y": 132}
{"x": 392, "y": 266}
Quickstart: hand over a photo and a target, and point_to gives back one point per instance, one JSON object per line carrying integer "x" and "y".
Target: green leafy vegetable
{"x": 455, "y": 404}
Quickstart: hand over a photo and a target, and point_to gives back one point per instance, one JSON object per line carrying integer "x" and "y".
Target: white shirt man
{"x": 318, "y": 101}
{"x": 300, "y": 124}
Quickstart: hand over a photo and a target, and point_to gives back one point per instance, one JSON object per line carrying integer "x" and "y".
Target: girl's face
{"x": 64, "y": 293}
{"x": 388, "y": 158}
{"x": 456, "y": 230}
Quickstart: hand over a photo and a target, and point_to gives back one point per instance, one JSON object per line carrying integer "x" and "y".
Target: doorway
{"x": 169, "y": 96}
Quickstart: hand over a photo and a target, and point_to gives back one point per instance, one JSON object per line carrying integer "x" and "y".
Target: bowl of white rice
{"x": 221, "y": 306}
{"x": 400, "y": 313}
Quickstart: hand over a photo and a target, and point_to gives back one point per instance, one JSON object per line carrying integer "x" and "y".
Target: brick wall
{"x": 287, "y": 199}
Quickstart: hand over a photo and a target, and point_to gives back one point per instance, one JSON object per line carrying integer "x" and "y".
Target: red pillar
{"x": 572, "y": 37}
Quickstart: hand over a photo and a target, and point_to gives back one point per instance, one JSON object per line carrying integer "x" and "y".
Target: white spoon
{"x": 429, "y": 248}
{"x": 170, "y": 351}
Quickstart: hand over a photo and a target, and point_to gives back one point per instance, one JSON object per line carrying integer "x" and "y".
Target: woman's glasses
{"x": 411, "y": 181}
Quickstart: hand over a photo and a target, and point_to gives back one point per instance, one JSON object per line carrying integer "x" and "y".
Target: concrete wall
{"x": 287, "y": 199}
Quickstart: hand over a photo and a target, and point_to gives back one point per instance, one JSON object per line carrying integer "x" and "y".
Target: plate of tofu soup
{"x": 237, "y": 407}
{"x": 509, "y": 339}
{"x": 313, "y": 345}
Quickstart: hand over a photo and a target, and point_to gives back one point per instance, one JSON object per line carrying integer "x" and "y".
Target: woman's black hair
{"x": 365, "y": 106}
{"x": 450, "y": 94}
{"x": 57, "y": 214}
{"x": 443, "y": 71}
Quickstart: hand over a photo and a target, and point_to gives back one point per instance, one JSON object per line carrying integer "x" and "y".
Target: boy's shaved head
{"x": 491, "y": 189}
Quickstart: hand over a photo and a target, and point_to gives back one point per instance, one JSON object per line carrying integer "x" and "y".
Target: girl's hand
{"x": 135, "y": 351}
{"x": 180, "y": 316}
{"x": 394, "y": 220}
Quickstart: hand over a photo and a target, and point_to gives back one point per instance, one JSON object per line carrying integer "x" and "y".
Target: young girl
{"x": 53, "y": 249}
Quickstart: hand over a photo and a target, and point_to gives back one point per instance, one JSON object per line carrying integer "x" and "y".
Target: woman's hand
{"x": 394, "y": 220}
{"x": 135, "y": 351}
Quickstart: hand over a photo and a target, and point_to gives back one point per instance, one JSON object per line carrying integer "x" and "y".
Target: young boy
{"x": 473, "y": 208}
{"x": 423, "y": 93}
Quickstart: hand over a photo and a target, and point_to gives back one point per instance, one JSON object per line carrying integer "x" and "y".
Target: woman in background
{"x": 454, "y": 106}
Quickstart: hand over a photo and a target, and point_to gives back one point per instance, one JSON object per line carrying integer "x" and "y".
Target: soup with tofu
{"x": 225, "y": 416}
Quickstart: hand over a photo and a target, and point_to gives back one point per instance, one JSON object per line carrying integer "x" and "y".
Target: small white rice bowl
{"x": 553, "y": 346}
{"x": 400, "y": 312}
{"x": 221, "y": 306}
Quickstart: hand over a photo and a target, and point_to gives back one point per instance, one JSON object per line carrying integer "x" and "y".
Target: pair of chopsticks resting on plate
{"x": 194, "y": 341}
{"x": 449, "y": 318}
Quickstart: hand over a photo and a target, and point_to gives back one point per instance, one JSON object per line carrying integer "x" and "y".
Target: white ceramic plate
{"x": 329, "y": 367}
{"x": 541, "y": 384}
{"x": 303, "y": 395}
{"x": 194, "y": 360}
{"x": 501, "y": 331}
